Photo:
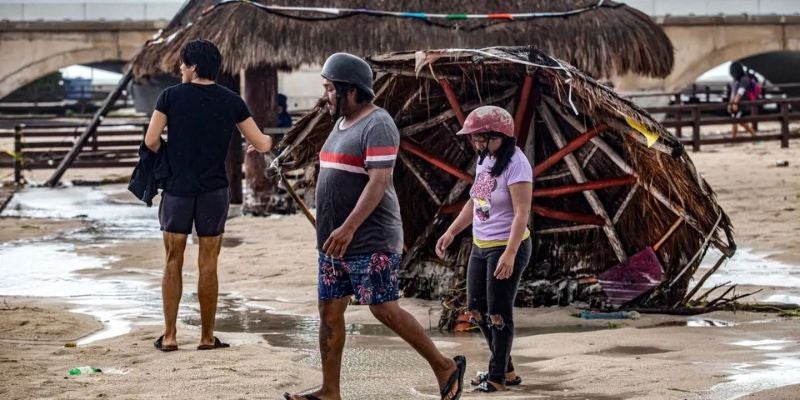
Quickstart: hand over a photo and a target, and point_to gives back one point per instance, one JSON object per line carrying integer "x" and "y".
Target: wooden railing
{"x": 694, "y": 116}
{"x": 114, "y": 145}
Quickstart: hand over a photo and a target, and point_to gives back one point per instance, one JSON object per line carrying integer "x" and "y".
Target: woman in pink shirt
{"x": 498, "y": 209}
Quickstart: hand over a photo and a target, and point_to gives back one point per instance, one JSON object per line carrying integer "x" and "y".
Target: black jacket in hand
{"x": 150, "y": 173}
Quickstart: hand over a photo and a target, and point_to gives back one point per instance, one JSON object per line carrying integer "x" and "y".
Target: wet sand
{"x": 270, "y": 262}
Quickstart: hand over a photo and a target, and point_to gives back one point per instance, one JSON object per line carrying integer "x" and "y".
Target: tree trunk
{"x": 260, "y": 94}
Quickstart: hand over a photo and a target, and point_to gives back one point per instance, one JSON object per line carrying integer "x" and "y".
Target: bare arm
{"x": 340, "y": 238}
{"x": 152, "y": 139}
{"x": 463, "y": 220}
{"x": 521, "y": 197}
{"x": 261, "y": 142}
{"x": 521, "y": 202}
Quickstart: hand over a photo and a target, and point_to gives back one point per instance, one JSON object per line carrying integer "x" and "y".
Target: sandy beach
{"x": 268, "y": 313}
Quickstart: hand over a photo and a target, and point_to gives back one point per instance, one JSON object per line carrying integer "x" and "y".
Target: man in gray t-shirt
{"x": 359, "y": 231}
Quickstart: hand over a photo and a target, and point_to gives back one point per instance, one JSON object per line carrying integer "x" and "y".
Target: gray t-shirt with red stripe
{"x": 347, "y": 154}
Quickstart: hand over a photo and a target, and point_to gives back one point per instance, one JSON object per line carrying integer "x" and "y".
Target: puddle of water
{"x": 780, "y": 369}
{"x": 119, "y": 219}
{"x": 694, "y": 323}
{"x": 632, "y": 350}
{"x": 750, "y": 268}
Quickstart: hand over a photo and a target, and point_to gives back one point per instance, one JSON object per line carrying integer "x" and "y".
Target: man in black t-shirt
{"x": 200, "y": 116}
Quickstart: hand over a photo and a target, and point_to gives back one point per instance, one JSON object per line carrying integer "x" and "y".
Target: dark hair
{"x": 503, "y": 154}
{"x": 736, "y": 70}
{"x": 343, "y": 87}
{"x": 204, "y": 55}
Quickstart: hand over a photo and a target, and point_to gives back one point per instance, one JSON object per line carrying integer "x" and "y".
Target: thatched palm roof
{"x": 610, "y": 39}
{"x": 566, "y": 103}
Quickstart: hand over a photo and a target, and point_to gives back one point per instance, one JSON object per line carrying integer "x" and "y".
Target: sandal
{"x": 288, "y": 396}
{"x": 457, "y": 378}
{"x": 218, "y": 344}
{"x": 159, "y": 344}
{"x": 484, "y": 376}
{"x": 486, "y": 387}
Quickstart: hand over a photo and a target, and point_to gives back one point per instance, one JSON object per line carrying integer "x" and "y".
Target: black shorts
{"x": 208, "y": 212}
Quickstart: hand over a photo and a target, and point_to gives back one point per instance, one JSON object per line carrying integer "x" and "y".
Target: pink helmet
{"x": 488, "y": 119}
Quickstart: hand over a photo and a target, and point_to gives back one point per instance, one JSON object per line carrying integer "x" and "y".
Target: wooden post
{"x": 784, "y": 125}
{"x": 696, "y": 129}
{"x": 18, "y": 153}
{"x": 580, "y": 177}
{"x": 522, "y": 105}
{"x": 453, "y": 100}
{"x": 260, "y": 93}
{"x": 679, "y": 116}
{"x": 90, "y": 129}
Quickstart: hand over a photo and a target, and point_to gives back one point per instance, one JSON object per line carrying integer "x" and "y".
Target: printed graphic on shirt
{"x": 481, "y": 194}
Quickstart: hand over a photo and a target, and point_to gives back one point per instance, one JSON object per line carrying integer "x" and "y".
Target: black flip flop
{"x": 218, "y": 344}
{"x": 159, "y": 344}
{"x": 457, "y": 378}
{"x": 288, "y": 396}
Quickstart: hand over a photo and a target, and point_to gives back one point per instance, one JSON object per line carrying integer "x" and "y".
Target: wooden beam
{"x": 558, "y": 191}
{"x": 90, "y": 129}
{"x": 453, "y": 100}
{"x": 298, "y": 200}
{"x": 624, "y": 204}
{"x": 446, "y": 115}
{"x": 411, "y": 167}
{"x": 522, "y": 106}
{"x": 580, "y": 177}
{"x": 407, "y": 104}
{"x": 588, "y": 219}
{"x": 566, "y": 229}
{"x": 443, "y": 165}
{"x": 567, "y": 148}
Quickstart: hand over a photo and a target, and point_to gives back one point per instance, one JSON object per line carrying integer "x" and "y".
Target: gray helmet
{"x": 345, "y": 67}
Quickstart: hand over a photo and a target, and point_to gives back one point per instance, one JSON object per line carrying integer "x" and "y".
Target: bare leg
{"x": 172, "y": 284}
{"x": 749, "y": 128}
{"x": 207, "y": 285}
{"x": 407, "y": 327}
{"x": 331, "y": 346}
{"x": 735, "y": 130}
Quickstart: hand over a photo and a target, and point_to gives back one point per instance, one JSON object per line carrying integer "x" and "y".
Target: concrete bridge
{"x": 41, "y": 36}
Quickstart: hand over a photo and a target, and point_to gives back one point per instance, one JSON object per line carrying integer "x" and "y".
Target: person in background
{"x": 284, "y": 119}
{"x": 744, "y": 86}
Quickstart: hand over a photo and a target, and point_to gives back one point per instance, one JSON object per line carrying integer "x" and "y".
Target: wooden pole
{"x": 522, "y": 106}
{"x": 18, "y": 153}
{"x": 112, "y": 97}
{"x": 298, "y": 200}
{"x": 588, "y": 219}
{"x": 580, "y": 177}
{"x": 558, "y": 191}
{"x": 260, "y": 93}
{"x": 696, "y": 129}
{"x": 784, "y": 125}
{"x": 453, "y": 100}
{"x": 450, "y": 169}
{"x": 702, "y": 281}
{"x": 573, "y": 145}
{"x": 421, "y": 179}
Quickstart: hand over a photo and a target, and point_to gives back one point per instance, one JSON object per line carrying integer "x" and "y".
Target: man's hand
{"x": 505, "y": 266}
{"x": 337, "y": 242}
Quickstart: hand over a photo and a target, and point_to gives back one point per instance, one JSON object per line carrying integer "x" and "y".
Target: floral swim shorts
{"x": 371, "y": 278}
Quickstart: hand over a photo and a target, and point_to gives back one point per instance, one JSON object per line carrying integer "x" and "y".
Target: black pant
{"x": 491, "y": 296}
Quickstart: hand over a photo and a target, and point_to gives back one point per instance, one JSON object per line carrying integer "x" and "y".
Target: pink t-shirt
{"x": 494, "y": 212}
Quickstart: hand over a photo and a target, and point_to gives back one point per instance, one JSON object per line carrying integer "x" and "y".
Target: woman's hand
{"x": 505, "y": 265}
{"x": 443, "y": 243}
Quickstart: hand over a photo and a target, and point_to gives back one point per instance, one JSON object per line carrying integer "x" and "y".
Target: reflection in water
{"x": 780, "y": 369}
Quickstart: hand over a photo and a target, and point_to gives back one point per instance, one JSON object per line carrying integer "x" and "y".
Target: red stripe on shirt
{"x": 381, "y": 151}
{"x": 341, "y": 158}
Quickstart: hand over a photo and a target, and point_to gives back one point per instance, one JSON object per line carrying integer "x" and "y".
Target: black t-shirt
{"x": 200, "y": 120}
